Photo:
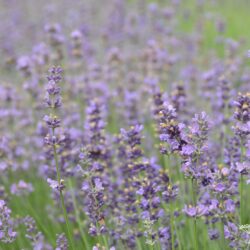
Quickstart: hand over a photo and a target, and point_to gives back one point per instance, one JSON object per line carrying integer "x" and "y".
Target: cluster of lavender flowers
{"x": 116, "y": 133}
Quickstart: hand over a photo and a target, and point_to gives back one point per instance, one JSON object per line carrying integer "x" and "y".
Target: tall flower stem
{"x": 194, "y": 196}
{"x": 77, "y": 213}
{"x": 172, "y": 225}
{"x": 53, "y": 101}
{"x": 58, "y": 173}
{"x": 241, "y": 198}
{"x": 222, "y": 235}
{"x": 241, "y": 186}
{"x": 167, "y": 164}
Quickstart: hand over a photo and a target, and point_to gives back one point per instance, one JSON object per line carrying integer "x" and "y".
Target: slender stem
{"x": 172, "y": 225}
{"x": 104, "y": 238}
{"x": 241, "y": 183}
{"x": 58, "y": 173}
{"x": 178, "y": 238}
{"x": 139, "y": 244}
{"x": 83, "y": 235}
{"x": 241, "y": 198}
{"x": 167, "y": 165}
{"x": 66, "y": 219}
{"x": 151, "y": 247}
{"x": 222, "y": 234}
{"x": 194, "y": 189}
{"x": 158, "y": 246}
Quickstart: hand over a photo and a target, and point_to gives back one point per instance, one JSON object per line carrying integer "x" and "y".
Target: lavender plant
{"x": 136, "y": 138}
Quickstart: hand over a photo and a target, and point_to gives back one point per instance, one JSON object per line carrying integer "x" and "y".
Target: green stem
{"x": 172, "y": 225}
{"x": 241, "y": 183}
{"x": 179, "y": 238}
{"x": 194, "y": 188}
{"x": 151, "y": 247}
{"x": 167, "y": 166}
{"x": 105, "y": 242}
{"x": 77, "y": 214}
{"x": 66, "y": 219}
{"x": 241, "y": 198}
{"x": 58, "y": 173}
{"x": 222, "y": 235}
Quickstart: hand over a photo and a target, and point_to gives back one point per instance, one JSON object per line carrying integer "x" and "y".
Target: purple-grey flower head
{"x": 55, "y": 74}
{"x": 239, "y": 239}
{"x": 153, "y": 7}
{"x": 188, "y": 150}
{"x": 132, "y": 136}
{"x": 243, "y": 167}
{"x": 7, "y": 232}
{"x": 21, "y": 188}
{"x": 76, "y": 35}
{"x": 242, "y": 104}
{"x": 170, "y": 193}
{"x": 242, "y": 115}
{"x": 52, "y": 122}
{"x": 24, "y": 64}
{"x": 197, "y": 136}
{"x": 178, "y": 98}
{"x": 61, "y": 242}
{"x": 54, "y": 33}
{"x": 40, "y": 54}
{"x": 55, "y": 185}
{"x": 52, "y": 88}
{"x": 232, "y": 151}
{"x": 197, "y": 211}
{"x": 152, "y": 82}
{"x": 52, "y": 28}
{"x": 225, "y": 172}
{"x": 77, "y": 43}
{"x": 230, "y": 229}
{"x": 213, "y": 234}
{"x": 114, "y": 55}
{"x": 219, "y": 187}
{"x": 248, "y": 148}
{"x": 53, "y": 97}
{"x": 94, "y": 163}
{"x": 168, "y": 128}
{"x": 229, "y": 206}
{"x": 200, "y": 126}
{"x": 164, "y": 233}
{"x": 56, "y": 140}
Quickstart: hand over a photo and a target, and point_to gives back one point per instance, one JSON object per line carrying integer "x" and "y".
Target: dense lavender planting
{"x": 119, "y": 130}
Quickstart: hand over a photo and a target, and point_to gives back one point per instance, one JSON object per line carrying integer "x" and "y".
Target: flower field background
{"x": 124, "y": 125}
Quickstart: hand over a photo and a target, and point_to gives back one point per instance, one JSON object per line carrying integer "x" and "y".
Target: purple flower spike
{"x": 7, "y": 233}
